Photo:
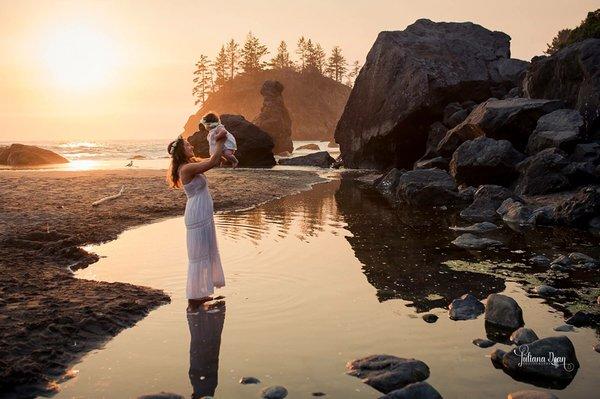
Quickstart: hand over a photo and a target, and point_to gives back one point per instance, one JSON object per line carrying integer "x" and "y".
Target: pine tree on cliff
{"x": 202, "y": 80}
{"x": 233, "y": 57}
{"x": 336, "y": 65}
{"x": 251, "y": 54}
{"x": 301, "y": 51}
{"x": 282, "y": 58}
{"x": 220, "y": 69}
{"x": 315, "y": 57}
{"x": 354, "y": 70}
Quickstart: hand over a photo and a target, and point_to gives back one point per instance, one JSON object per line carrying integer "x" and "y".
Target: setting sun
{"x": 79, "y": 57}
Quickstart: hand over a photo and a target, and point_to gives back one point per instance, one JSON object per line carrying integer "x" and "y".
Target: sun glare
{"x": 79, "y": 57}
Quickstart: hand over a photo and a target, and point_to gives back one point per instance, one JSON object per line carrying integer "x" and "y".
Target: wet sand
{"x": 49, "y": 319}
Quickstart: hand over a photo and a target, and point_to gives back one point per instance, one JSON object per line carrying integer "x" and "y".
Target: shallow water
{"x": 315, "y": 280}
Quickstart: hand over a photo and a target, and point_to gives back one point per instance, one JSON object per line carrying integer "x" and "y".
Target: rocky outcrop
{"x": 543, "y": 173}
{"x": 486, "y": 200}
{"x": 315, "y": 102}
{"x": 255, "y": 146}
{"x": 426, "y": 187}
{"x": 387, "y": 373}
{"x": 320, "y": 159}
{"x": 512, "y": 119}
{"x": 571, "y": 75}
{"x": 559, "y": 129}
{"x": 21, "y": 155}
{"x": 485, "y": 161}
{"x": 580, "y": 209}
{"x": 408, "y": 79}
{"x": 274, "y": 117}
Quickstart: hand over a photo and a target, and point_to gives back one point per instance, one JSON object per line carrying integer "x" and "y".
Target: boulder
{"x": 545, "y": 290}
{"x": 426, "y": 187}
{"x": 435, "y": 134}
{"x": 429, "y": 318}
{"x": 310, "y": 147}
{"x": 561, "y": 129}
{"x": 274, "y": 117}
{"x": 249, "y": 380}
{"x": 485, "y": 161}
{"x": 320, "y": 159}
{"x": 22, "y": 155}
{"x": 511, "y": 119}
{"x": 483, "y": 343}
{"x": 588, "y": 152}
{"x": 503, "y": 311}
{"x": 470, "y": 241}
{"x": 579, "y": 209}
{"x": 467, "y": 307}
{"x": 387, "y": 183}
{"x": 387, "y": 373}
{"x": 523, "y": 336}
{"x": 583, "y": 319}
{"x": 486, "y": 200}
{"x": 273, "y": 392}
{"x": 255, "y": 146}
{"x": 531, "y": 394}
{"x": 518, "y": 214}
{"x": 408, "y": 79}
{"x": 551, "y": 358}
{"x": 418, "y": 390}
{"x": 543, "y": 173}
{"x": 572, "y": 75}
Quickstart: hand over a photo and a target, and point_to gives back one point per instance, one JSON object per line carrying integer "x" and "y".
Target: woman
{"x": 204, "y": 267}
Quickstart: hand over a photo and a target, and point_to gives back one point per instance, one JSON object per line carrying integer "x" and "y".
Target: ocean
{"x": 125, "y": 154}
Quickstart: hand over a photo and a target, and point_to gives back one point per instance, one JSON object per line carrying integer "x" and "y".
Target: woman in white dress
{"x": 204, "y": 263}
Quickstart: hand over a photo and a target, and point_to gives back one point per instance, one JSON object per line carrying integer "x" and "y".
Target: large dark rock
{"x": 274, "y": 117}
{"x": 254, "y": 145}
{"x": 526, "y": 360}
{"x": 485, "y": 161}
{"x": 579, "y": 209}
{"x": 29, "y": 155}
{"x": 543, "y": 173}
{"x": 512, "y": 119}
{"x": 559, "y": 129}
{"x": 426, "y": 187}
{"x": 517, "y": 214}
{"x": 572, "y": 75}
{"x": 387, "y": 373}
{"x": 408, "y": 79}
{"x": 320, "y": 159}
{"x": 436, "y": 132}
{"x": 503, "y": 311}
{"x": 486, "y": 200}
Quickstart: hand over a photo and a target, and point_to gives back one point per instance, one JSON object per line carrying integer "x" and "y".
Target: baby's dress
{"x": 204, "y": 262}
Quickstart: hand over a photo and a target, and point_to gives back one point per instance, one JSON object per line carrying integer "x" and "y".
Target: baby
{"x": 212, "y": 123}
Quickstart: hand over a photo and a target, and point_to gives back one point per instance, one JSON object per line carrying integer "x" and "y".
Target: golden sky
{"x": 105, "y": 69}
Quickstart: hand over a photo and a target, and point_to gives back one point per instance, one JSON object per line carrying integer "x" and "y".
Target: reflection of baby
{"x": 212, "y": 123}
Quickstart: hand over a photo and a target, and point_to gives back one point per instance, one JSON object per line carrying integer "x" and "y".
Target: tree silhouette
{"x": 251, "y": 54}
{"x": 559, "y": 41}
{"x": 336, "y": 65}
{"x": 233, "y": 57}
{"x": 301, "y": 51}
{"x": 282, "y": 58}
{"x": 353, "y": 73}
{"x": 220, "y": 68}
{"x": 202, "y": 80}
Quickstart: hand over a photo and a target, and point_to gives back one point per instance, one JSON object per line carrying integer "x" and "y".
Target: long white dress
{"x": 204, "y": 262}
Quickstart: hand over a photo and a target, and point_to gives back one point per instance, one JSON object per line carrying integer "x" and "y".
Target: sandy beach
{"x": 48, "y": 318}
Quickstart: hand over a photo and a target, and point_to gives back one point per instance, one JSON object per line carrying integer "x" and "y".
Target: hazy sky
{"x": 96, "y": 70}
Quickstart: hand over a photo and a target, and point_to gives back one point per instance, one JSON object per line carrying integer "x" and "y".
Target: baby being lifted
{"x": 212, "y": 123}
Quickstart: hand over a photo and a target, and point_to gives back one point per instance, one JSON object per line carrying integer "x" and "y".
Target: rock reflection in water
{"x": 402, "y": 250}
{"x": 205, "y": 327}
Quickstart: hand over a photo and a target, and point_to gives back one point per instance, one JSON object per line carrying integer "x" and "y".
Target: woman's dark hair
{"x": 211, "y": 117}
{"x": 178, "y": 157}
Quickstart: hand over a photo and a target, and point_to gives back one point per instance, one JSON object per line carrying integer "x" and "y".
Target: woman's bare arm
{"x": 188, "y": 171}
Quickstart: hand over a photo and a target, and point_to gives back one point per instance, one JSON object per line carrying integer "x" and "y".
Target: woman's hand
{"x": 221, "y": 135}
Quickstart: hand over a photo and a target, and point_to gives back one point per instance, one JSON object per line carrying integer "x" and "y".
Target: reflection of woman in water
{"x": 206, "y": 327}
